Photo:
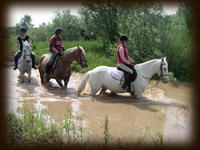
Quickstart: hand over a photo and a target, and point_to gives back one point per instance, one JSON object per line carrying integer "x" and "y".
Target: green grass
{"x": 32, "y": 128}
{"x": 96, "y": 54}
{"x": 36, "y": 127}
{"x": 106, "y": 131}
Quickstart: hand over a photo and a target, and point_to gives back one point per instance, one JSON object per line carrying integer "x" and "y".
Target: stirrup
{"x": 126, "y": 88}
{"x": 35, "y": 67}
{"x": 15, "y": 68}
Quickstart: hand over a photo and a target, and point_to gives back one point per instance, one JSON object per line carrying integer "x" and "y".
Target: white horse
{"x": 101, "y": 77}
{"x": 25, "y": 62}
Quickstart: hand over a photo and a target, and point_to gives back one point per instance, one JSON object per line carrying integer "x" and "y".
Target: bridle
{"x": 24, "y": 56}
{"x": 161, "y": 71}
{"x": 81, "y": 59}
{"x": 161, "y": 75}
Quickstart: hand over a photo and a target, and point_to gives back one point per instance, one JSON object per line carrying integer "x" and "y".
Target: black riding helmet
{"x": 58, "y": 30}
{"x": 124, "y": 38}
{"x": 22, "y": 29}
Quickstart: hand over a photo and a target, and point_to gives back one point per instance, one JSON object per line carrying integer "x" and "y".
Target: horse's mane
{"x": 147, "y": 62}
{"x": 73, "y": 49}
{"x": 26, "y": 45}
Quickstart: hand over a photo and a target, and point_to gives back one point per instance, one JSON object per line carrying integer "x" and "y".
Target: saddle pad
{"x": 117, "y": 74}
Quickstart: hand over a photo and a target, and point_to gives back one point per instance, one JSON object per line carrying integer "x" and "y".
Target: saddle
{"x": 122, "y": 76}
{"x": 55, "y": 62}
{"x": 128, "y": 78}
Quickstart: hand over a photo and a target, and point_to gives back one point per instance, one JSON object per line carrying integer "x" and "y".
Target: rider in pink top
{"x": 125, "y": 62}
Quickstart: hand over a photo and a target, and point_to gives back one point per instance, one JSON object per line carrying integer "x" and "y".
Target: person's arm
{"x": 54, "y": 49}
{"x": 18, "y": 44}
{"x": 131, "y": 60}
{"x": 121, "y": 53}
{"x": 52, "y": 45}
{"x": 29, "y": 41}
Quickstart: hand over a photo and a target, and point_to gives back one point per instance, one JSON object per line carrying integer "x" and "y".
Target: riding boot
{"x": 126, "y": 84}
{"x": 15, "y": 60}
{"x": 33, "y": 61}
{"x": 16, "y": 57}
{"x": 47, "y": 70}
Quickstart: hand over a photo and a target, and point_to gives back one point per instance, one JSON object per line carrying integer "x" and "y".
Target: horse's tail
{"x": 83, "y": 83}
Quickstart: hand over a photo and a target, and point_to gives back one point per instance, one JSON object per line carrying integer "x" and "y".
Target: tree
{"x": 101, "y": 19}
{"x": 69, "y": 23}
{"x": 26, "y": 22}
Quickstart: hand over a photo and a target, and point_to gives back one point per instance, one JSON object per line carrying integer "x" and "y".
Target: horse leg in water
{"x": 21, "y": 77}
{"x": 66, "y": 79}
{"x": 29, "y": 76}
{"x": 138, "y": 93}
{"x": 41, "y": 76}
{"x": 59, "y": 82}
{"x": 103, "y": 91}
{"x": 95, "y": 87}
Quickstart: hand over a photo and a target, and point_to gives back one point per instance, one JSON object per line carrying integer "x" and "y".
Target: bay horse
{"x": 25, "y": 62}
{"x": 101, "y": 77}
{"x": 62, "y": 70}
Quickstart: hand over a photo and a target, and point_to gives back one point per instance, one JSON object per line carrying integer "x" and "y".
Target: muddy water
{"x": 165, "y": 108}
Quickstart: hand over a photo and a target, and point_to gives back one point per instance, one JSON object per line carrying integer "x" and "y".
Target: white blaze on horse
{"x": 101, "y": 77}
{"x": 25, "y": 62}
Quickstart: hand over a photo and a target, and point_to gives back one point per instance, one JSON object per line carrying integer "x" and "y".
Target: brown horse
{"x": 62, "y": 70}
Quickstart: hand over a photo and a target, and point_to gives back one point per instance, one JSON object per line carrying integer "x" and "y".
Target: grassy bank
{"x": 95, "y": 53}
{"x": 33, "y": 128}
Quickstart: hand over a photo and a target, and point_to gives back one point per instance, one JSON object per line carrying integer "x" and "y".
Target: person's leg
{"x": 49, "y": 64}
{"x": 127, "y": 76}
{"x": 125, "y": 68}
{"x": 33, "y": 60}
{"x": 16, "y": 58}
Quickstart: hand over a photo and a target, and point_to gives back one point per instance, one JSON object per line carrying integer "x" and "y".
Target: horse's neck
{"x": 22, "y": 56}
{"x": 150, "y": 68}
{"x": 69, "y": 56}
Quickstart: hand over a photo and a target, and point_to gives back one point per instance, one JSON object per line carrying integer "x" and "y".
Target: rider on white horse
{"x": 125, "y": 62}
{"x": 23, "y": 37}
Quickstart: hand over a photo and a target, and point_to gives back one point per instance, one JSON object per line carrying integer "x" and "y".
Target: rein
{"x": 24, "y": 57}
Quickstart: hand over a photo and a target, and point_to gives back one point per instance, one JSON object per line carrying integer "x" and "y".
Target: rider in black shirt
{"x": 23, "y": 37}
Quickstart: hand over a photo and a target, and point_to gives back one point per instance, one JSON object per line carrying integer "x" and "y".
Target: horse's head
{"x": 26, "y": 52}
{"x": 81, "y": 57}
{"x": 163, "y": 73}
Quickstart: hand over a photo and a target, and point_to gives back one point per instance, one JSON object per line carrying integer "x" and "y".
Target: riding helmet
{"x": 58, "y": 30}
{"x": 22, "y": 29}
{"x": 124, "y": 38}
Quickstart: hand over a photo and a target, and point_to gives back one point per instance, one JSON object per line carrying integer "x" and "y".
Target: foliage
{"x": 106, "y": 131}
{"x": 69, "y": 23}
{"x": 152, "y": 33}
{"x": 101, "y": 19}
{"x": 25, "y": 22}
{"x": 32, "y": 128}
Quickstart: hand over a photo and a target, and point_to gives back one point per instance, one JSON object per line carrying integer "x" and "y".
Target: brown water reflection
{"x": 165, "y": 108}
